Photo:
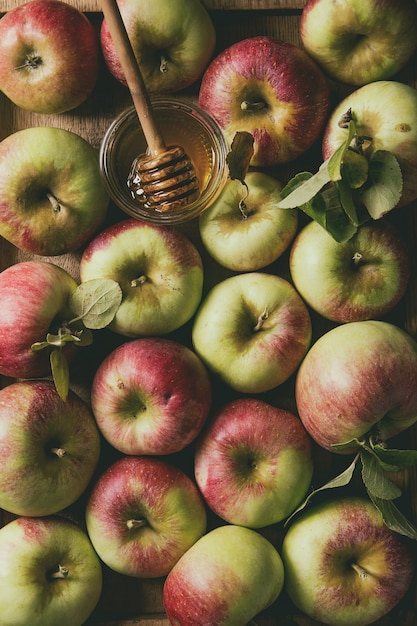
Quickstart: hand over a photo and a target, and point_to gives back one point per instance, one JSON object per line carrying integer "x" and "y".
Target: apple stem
{"x": 60, "y": 572}
{"x": 246, "y": 105}
{"x": 263, "y": 316}
{"x": 136, "y": 282}
{"x": 361, "y": 572}
{"x": 163, "y": 66}
{"x": 54, "y": 202}
{"x": 135, "y": 523}
{"x": 357, "y": 258}
{"x": 59, "y": 452}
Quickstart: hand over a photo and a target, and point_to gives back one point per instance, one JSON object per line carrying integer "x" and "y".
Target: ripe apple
{"x": 49, "y": 573}
{"x": 359, "y": 279}
{"x": 244, "y": 230}
{"x": 151, "y": 396}
{"x": 271, "y": 89}
{"x": 358, "y": 380}
{"x": 143, "y": 514}
{"x": 252, "y": 330}
{"x": 343, "y": 565}
{"x": 159, "y": 270}
{"x": 384, "y": 112}
{"x": 49, "y": 56}
{"x": 52, "y": 196}
{"x": 173, "y": 42}
{"x": 253, "y": 463}
{"x": 34, "y": 298}
{"x": 50, "y": 448}
{"x": 227, "y": 577}
{"x": 350, "y": 40}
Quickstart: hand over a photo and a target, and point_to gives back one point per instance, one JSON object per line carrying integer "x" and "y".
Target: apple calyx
{"x": 60, "y": 572}
{"x": 134, "y": 523}
{"x": 32, "y": 62}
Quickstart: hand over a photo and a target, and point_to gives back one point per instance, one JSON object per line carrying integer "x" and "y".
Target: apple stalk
{"x": 60, "y": 572}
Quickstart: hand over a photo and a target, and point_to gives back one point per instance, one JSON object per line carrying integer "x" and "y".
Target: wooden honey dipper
{"x": 164, "y": 178}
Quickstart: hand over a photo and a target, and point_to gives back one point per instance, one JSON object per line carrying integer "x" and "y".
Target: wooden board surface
{"x": 132, "y": 602}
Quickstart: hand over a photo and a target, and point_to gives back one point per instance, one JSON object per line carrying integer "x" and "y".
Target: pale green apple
{"x": 343, "y": 566}
{"x": 226, "y": 578}
{"x": 244, "y": 230}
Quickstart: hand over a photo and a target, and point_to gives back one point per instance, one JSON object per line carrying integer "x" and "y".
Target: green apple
{"x": 358, "y": 279}
{"x": 159, "y": 270}
{"x": 52, "y": 195}
{"x": 343, "y": 566}
{"x": 49, "y": 573}
{"x": 244, "y": 230}
{"x": 359, "y": 41}
{"x": 173, "y": 41}
{"x": 226, "y": 578}
{"x": 252, "y": 330}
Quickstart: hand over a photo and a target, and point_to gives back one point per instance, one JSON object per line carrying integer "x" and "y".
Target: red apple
{"x": 151, "y": 396}
{"x": 142, "y": 515}
{"x": 271, "y": 89}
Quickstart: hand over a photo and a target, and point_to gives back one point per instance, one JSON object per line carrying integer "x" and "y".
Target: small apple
{"x": 252, "y": 330}
{"x": 350, "y": 40}
{"x": 159, "y": 270}
{"x": 50, "y": 448}
{"x": 52, "y": 196}
{"x": 358, "y": 279}
{"x": 385, "y": 116}
{"x": 226, "y": 578}
{"x": 244, "y": 230}
{"x": 34, "y": 298}
{"x": 142, "y": 515}
{"x": 151, "y": 396}
{"x": 358, "y": 381}
{"x": 49, "y": 56}
{"x": 173, "y": 41}
{"x": 343, "y": 565}
{"x": 271, "y": 89}
{"x": 253, "y": 463}
{"x": 49, "y": 573}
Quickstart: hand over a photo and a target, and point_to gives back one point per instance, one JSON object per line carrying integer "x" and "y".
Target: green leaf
{"x": 344, "y": 192}
{"x": 385, "y": 183}
{"x": 337, "y": 223}
{"x": 60, "y": 372}
{"x": 374, "y": 479}
{"x": 96, "y": 302}
{"x": 305, "y": 191}
{"x": 392, "y": 460}
{"x": 240, "y": 155}
{"x": 393, "y": 518}
{"x": 355, "y": 169}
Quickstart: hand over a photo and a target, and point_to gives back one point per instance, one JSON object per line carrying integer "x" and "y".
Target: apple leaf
{"x": 393, "y": 518}
{"x": 240, "y": 155}
{"x": 344, "y": 193}
{"x": 374, "y": 479}
{"x": 384, "y": 186}
{"x": 60, "y": 372}
{"x": 392, "y": 460}
{"x": 303, "y": 187}
{"x": 96, "y": 302}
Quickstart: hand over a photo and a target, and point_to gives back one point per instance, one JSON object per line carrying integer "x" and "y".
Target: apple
{"x": 52, "y": 196}
{"x": 350, "y": 40}
{"x": 343, "y": 565}
{"x": 252, "y": 330}
{"x": 159, "y": 270}
{"x": 142, "y": 514}
{"x": 385, "y": 113}
{"x": 50, "y": 448}
{"x": 172, "y": 41}
{"x": 49, "y": 573}
{"x": 358, "y": 279}
{"x": 253, "y": 463}
{"x": 243, "y": 230}
{"x": 271, "y": 89}
{"x": 49, "y": 56}
{"x": 34, "y": 298}
{"x": 358, "y": 380}
{"x": 226, "y": 578}
{"x": 151, "y": 396}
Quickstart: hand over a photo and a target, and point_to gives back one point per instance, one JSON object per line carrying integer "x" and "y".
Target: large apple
{"x": 159, "y": 270}
{"x": 244, "y": 230}
{"x": 252, "y": 330}
{"x": 49, "y": 575}
{"x": 350, "y": 40}
{"x": 358, "y": 279}
{"x": 49, "y": 56}
{"x": 343, "y": 566}
{"x": 226, "y": 578}
{"x": 253, "y": 463}
{"x": 151, "y": 396}
{"x": 34, "y": 298}
{"x": 143, "y": 514}
{"x": 50, "y": 448}
{"x": 173, "y": 41}
{"x": 271, "y": 89}
{"x": 52, "y": 196}
{"x": 385, "y": 115}
{"x": 358, "y": 380}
